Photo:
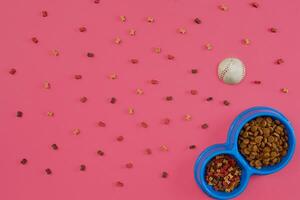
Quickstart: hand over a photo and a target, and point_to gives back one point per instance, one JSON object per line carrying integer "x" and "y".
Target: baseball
{"x": 231, "y": 71}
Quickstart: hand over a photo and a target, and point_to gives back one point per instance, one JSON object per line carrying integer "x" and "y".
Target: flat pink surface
{"x": 32, "y": 135}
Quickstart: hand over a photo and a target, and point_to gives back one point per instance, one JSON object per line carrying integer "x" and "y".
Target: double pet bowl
{"x": 231, "y": 148}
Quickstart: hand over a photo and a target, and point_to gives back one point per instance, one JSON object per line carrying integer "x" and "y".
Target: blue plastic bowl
{"x": 231, "y": 148}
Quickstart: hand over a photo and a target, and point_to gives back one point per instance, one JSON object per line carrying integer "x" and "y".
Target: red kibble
{"x": 194, "y": 92}
{"x": 113, "y": 100}
{"x": 169, "y": 98}
{"x": 24, "y": 161}
{"x": 82, "y": 167}
{"x": 164, "y": 174}
{"x": 279, "y": 61}
{"x": 129, "y": 165}
{"x": 192, "y": 146}
{"x": 226, "y": 103}
{"x": 96, "y": 1}
{"x": 90, "y": 55}
{"x": 170, "y": 57}
{"x": 101, "y": 124}
{"x": 148, "y": 151}
{"x": 82, "y": 29}
{"x": 254, "y": 4}
{"x": 100, "y": 153}
{"x": 134, "y": 61}
{"x": 12, "y": 71}
{"x": 35, "y": 40}
{"x": 197, "y": 21}
{"x": 273, "y": 30}
{"x": 209, "y": 98}
{"x": 78, "y": 77}
{"x": 44, "y": 13}
{"x": 204, "y": 126}
{"x": 83, "y": 99}
{"x": 48, "y": 171}
{"x": 19, "y": 114}
{"x": 54, "y": 146}
{"x": 194, "y": 71}
{"x": 120, "y": 138}
{"x": 166, "y": 121}
{"x": 154, "y": 82}
{"x": 144, "y": 125}
{"x": 257, "y": 82}
{"x": 119, "y": 184}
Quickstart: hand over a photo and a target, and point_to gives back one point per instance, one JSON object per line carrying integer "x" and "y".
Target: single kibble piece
{"x": 113, "y": 76}
{"x": 35, "y": 40}
{"x": 194, "y": 92}
{"x": 129, "y": 165}
{"x": 134, "y": 61}
{"x": 139, "y": 91}
{"x": 82, "y": 167}
{"x": 120, "y": 138}
{"x": 192, "y": 146}
{"x": 44, "y": 13}
{"x": 47, "y": 85}
{"x": 118, "y": 40}
{"x": 123, "y": 18}
{"x": 209, "y": 98}
{"x": 48, "y": 171}
{"x": 263, "y": 142}
{"x": 226, "y": 103}
{"x": 279, "y": 61}
{"x": 83, "y": 99}
{"x": 77, "y": 76}
{"x": 130, "y": 111}
{"x": 19, "y": 114}
{"x": 164, "y": 148}
{"x": 223, "y": 173}
{"x": 170, "y": 57}
{"x": 148, "y": 151}
{"x": 101, "y": 124}
{"x": 119, "y": 184}
{"x": 50, "y": 114}
{"x": 223, "y": 7}
{"x": 12, "y": 71}
{"x": 157, "y": 50}
{"x": 273, "y": 30}
{"x": 132, "y": 32}
{"x": 204, "y": 126}
{"x": 55, "y": 52}
{"x": 24, "y": 161}
{"x": 90, "y": 55}
{"x": 182, "y": 30}
{"x": 284, "y": 90}
{"x": 187, "y": 117}
{"x": 96, "y": 1}
{"x": 113, "y": 100}
{"x": 154, "y": 82}
{"x": 150, "y": 19}
{"x": 257, "y": 82}
{"x": 246, "y": 41}
{"x": 100, "y": 153}
{"x": 166, "y": 121}
{"x": 197, "y": 21}
{"x": 169, "y": 98}
{"x": 82, "y": 29}
{"x": 144, "y": 125}
{"x": 254, "y": 4}
{"x": 54, "y": 146}
{"x": 208, "y": 46}
{"x": 164, "y": 174}
{"x": 76, "y": 131}
{"x": 194, "y": 71}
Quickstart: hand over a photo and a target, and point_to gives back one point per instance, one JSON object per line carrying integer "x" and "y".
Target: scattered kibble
{"x": 279, "y": 61}
{"x": 101, "y": 124}
{"x": 157, "y": 50}
{"x": 82, "y": 29}
{"x": 12, "y": 71}
{"x": 164, "y": 148}
{"x": 164, "y": 174}
{"x": 113, "y": 100}
{"x": 129, "y": 165}
{"x": 194, "y": 92}
{"x": 263, "y": 142}
{"x": 144, "y": 124}
{"x": 273, "y": 30}
{"x": 100, "y": 153}
{"x": 257, "y": 82}
{"x": 44, "y": 13}
{"x": 208, "y": 46}
{"x": 192, "y": 146}
{"x": 118, "y": 40}
{"x": 148, "y": 151}
{"x": 82, "y": 167}
{"x": 209, "y": 98}
{"x": 223, "y": 7}
{"x": 254, "y": 4}
{"x": 130, "y": 111}
{"x": 194, "y": 71}
{"x": 19, "y": 114}
{"x": 182, "y": 30}
{"x": 76, "y": 131}
{"x": 154, "y": 82}
{"x": 47, "y": 85}
{"x": 166, "y": 121}
{"x": 223, "y": 173}
{"x": 134, "y": 61}
{"x": 50, "y": 114}
{"x": 48, "y": 171}
{"x": 83, "y": 99}
{"x": 139, "y": 91}
{"x": 197, "y": 20}
{"x": 113, "y": 76}
{"x": 77, "y": 76}
{"x": 204, "y": 126}
{"x": 90, "y": 54}
{"x": 35, "y": 40}
{"x": 284, "y": 90}
{"x": 123, "y": 18}
{"x": 132, "y": 32}
{"x": 170, "y": 57}
{"x": 246, "y": 41}
{"x": 169, "y": 98}
{"x": 54, "y": 146}
{"x": 119, "y": 184}
{"x": 55, "y": 52}
{"x": 96, "y": 1}
{"x": 24, "y": 161}
{"x": 120, "y": 138}
{"x": 226, "y": 103}
{"x": 150, "y": 19}
{"x": 187, "y": 117}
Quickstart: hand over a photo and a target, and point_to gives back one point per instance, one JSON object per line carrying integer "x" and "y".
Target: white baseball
{"x": 231, "y": 71}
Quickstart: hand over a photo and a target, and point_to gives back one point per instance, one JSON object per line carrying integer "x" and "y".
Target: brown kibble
{"x": 194, "y": 71}
{"x": 77, "y": 76}
{"x": 246, "y": 41}
{"x": 204, "y": 126}
{"x": 35, "y": 40}
{"x": 82, "y": 167}
{"x": 113, "y": 100}
{"x": 24, "y": 161}
{"x": 54, "y": 146}
{"x": 50, "y": 114}
{"x": 182, "y": 30}
{"x": 170, "y": 57}
{"x": 48, "y": 171}
{"x": 139, "y": 91}
{"x": 130, "y": 111}
{"x": 19, "y": 114}
{"x": 187, "y": 117}
{"x": 55, "y": 52}
{"x": 47, "y": 85}
{"x": 194, "y": 92}
{"x": 12, "y": 71}
{"x": 226, "y": 103}
{"x": 83, "y": 99}
{"x": 82, "y": 29}
{"x": 284, "y": 90}
{"x": 154, "y": 82}
{"x": 197, "y": 21}
{"x": 132, "y": 32}
{"x": 192, "y": 146}
{"x": 208, "y": 46}
{"x": 223, "y": 7}
{"x": 279, "y": 61}
{"x": 101, "y": 124}
{"x": 100, "y": 153}
{"x": 157, "y": 50}
{"x": 164, "y": 148}
{"x": 76, "y": 131}
{"x": 209, "y": 98}
{"x": 120, "y": 138}
{"x": 169, "y": 98}
{"x": 148, "y": 151}
{"x": 90, "y": 55}
{"x": 113, "y": 76}
{"x": 119, "y": 184}
{"x": 164, "y": 174}
{"x": 166, "y": 121}
{"x": 118, "y": 40}
{"x": 44, "y": 13}
{"x": 134, "y": 61}
{"x": 144, "y": 124}
{"x": 129, "y": 165}
{"x": 254, "y": 4}
{"x": 150, "y": 19}
{"x": 273, "y": 30}
{"x": 123, "y": 18}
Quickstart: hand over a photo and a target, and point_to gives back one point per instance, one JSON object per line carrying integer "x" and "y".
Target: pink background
{"x": 32, "y": 135}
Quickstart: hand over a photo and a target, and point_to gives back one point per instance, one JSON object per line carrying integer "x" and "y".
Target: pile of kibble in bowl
{"x": 223, "y": 173}
{"x": 263, "y": 142}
